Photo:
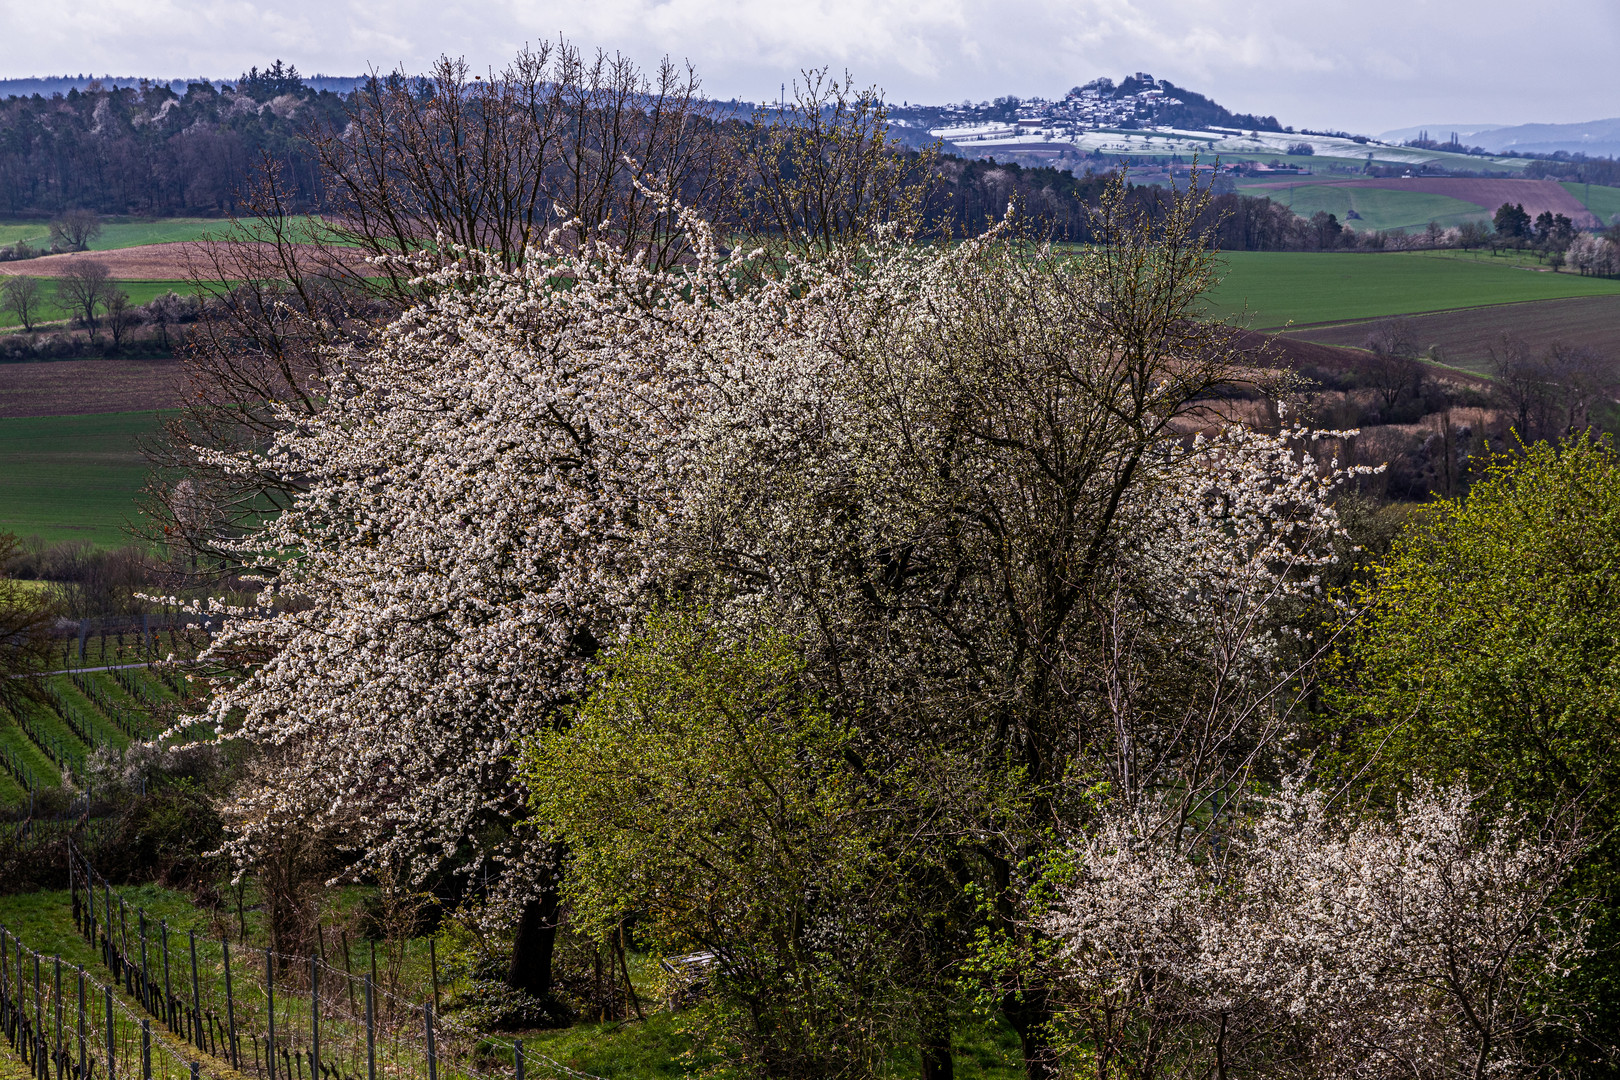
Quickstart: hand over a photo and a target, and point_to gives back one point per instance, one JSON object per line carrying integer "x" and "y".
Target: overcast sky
{"x": 1364, "y": 65}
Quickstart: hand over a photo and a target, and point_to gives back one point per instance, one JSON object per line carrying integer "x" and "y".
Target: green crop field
{"x": 1378, "y": 208}
{"x": 1602, "y": 201}
{"x": 72, "y": 477}
{"x": 116, "y": 235}
{"x": 122, "y": 234}
{"x": 1271, "y": 289}
{"x": 139, "y": 292}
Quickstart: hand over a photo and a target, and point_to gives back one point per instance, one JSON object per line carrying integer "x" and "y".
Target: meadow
{"x": 1268, "y": 290}
{"x": 122, "y": 234}
{"x": 72, "y": 477}
{"x": 1602, "y": 201}
{"x": 139, "y": 292}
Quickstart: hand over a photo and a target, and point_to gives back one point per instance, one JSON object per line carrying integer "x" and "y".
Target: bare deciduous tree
{"x": 1395, "y": 368}
{"x": 823, "y": 171}
{"x": 74, "y": 230}
{"x": 22, "y": 297}
{"x": 84, "y": 289}
{"x": 122, "y": 317}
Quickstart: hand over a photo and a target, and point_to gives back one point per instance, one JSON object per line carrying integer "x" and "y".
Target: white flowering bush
{"x": 1425, "y": 944}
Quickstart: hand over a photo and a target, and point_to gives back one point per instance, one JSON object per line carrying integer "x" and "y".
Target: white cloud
{"x": 1361, "y": 64}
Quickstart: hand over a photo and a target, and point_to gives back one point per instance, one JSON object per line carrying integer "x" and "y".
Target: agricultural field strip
{"x": 119, "y": 958}
{"x": 1292, "y": 289}
{"x": 44, "y": 739}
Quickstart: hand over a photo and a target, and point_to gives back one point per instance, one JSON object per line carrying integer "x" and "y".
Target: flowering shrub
{"x": 1425, "y": 945}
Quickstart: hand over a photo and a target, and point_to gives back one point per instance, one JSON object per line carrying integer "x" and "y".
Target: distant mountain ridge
{"x": 1594, "y": 138}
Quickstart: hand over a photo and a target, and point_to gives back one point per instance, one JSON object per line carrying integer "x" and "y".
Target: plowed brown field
{"x": 64, "y": 387}
{"x": 1467, "y": 338}
{"x": 150, "y": 262}
{"x": 1534, "y": 195}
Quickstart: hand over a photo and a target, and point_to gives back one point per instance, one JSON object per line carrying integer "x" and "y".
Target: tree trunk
{"x": 536, "y": 941}
{"x": 1028, "y": 1014}
{"x": 937, "y": 1063}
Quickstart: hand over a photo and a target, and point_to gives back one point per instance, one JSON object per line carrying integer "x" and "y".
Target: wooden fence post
{"x": 146, "y": 1049}
{"x": 112, "y": 1046}
{"x": 517, "y": 1056}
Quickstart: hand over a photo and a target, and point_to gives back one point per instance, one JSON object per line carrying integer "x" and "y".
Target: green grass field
{"x": 1271, "y": 289}
{"x": 121, "y": 234}
{"x": 140, "y": 292}
{"x": 1602, "y": 201}
{"x": 72, "y": 477}
{"x": 117, "y": 234}
{"x": 1378, "y": 208}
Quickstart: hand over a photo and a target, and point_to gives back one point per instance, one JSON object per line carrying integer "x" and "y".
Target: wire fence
{"x": 63, "y": 1023}
{"x": 283, "y": 1016}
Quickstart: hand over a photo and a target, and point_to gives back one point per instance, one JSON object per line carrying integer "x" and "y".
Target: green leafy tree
{"x": 1512, "y": 221}
{"x": 707, "y": 798}
{"x": 1491, "y": 652}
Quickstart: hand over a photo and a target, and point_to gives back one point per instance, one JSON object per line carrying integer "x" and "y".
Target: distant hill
{"x": 1594, "y": 138}
{"x": 47, "y": 85}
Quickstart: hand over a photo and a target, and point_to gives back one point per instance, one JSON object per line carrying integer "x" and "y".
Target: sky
{"x": 1359, "y": 65}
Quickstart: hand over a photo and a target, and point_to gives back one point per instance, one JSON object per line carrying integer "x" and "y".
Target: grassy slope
{"x": 1276, "y": 288}
{"x": 139, "y": 292}
{"x": 1602, "y": 201}
{"x": 72, "y": 477}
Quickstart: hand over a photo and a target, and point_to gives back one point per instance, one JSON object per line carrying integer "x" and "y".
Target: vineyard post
{"x": 146, "y": 979}
{"x": 73, "y": 889}
{"x": 57, "y": 962}
{"x": 270, "y": 994}
{"x": 314, "y": 1019}
{"x": 196, "y": 998}
{"x": 230, "y": 1006}
{"x": 168, "y": 989}
{"x": 433, "y": 967}
{"x": 517, "y": 1056}
{"x": 123, "y": 941}
{"x": 112, "y": 1046}
{"x": 371, "y": 1035}
{"x": 146, "y": 1049}
{"x": 195, "y": 1072}
{"x": 39, "y": 1012}
{"x": 432, "y": 1051}
{"x": 84, "y": 1063}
